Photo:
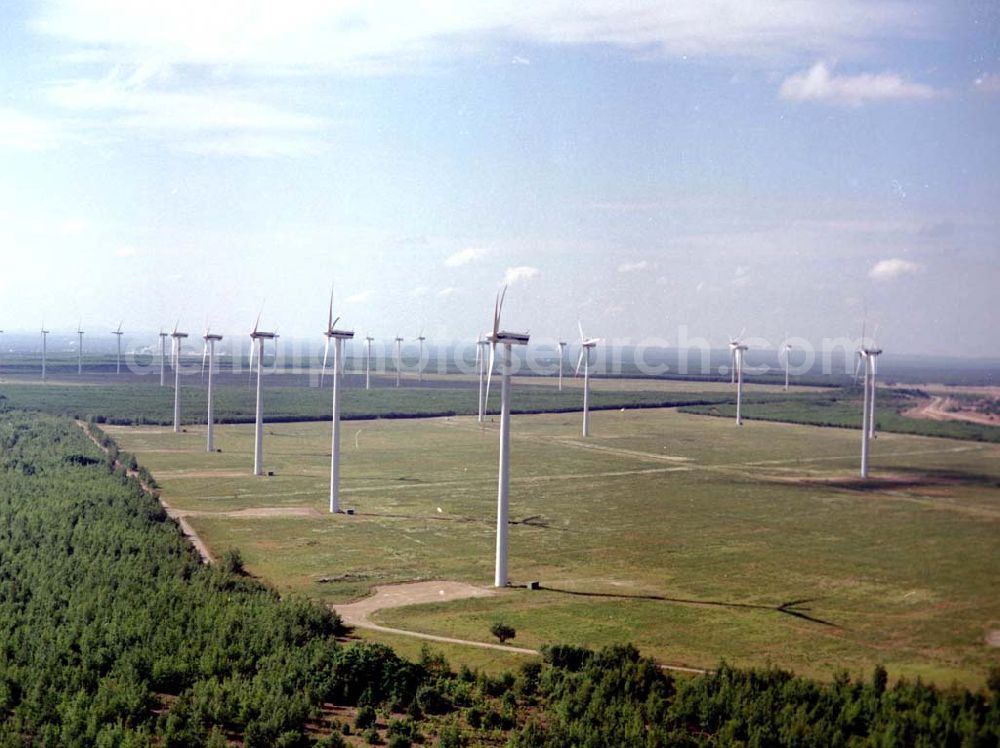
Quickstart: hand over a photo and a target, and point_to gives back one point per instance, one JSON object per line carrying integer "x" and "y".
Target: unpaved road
{"x": 935, "y": 409}
{"x": 414, "y": 593}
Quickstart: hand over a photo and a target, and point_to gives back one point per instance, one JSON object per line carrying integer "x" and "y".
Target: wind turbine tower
{"x": 368, "y": 362}
{"x": 163, "y": 356}
{"x": 257, "y": 338}
{"x": 209, "y": 350}
{"x": 45, "y": 335}
{"x": 420, "y": 358}
{"x": 79, "y": 349}
{"x": 506, "y": 339}
{"x": 338, "y": 337}
{"x": 868, "y": 356}
{"x": 787, "y": 349}
{"x": 399, "y": 357}
{"x": 738, "y": 349}
{"x": 119, "y": 333}
{"x": 586, "y": 344}
{"x": 177, "y": 338}
{"x": 562, "y": 347}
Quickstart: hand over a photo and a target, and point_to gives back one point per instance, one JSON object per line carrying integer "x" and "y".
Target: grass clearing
{"x": 693, "y": 538}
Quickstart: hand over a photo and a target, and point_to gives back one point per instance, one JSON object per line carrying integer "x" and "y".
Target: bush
{"x": 365, "y": 717}
{"x": 502, "y": 631}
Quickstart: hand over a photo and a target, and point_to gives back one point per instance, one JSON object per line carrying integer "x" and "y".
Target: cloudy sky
{"x": 778, "y": 165}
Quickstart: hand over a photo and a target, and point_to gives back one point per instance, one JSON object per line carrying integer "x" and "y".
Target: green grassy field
{"x": 692, "y": 538}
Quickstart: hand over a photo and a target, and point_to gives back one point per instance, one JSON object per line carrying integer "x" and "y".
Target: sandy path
{"x": 414, "y": 593}
{"x": 935, "y": 409}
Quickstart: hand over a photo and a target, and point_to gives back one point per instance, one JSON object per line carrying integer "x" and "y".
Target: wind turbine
{"x": 274, "y": 363}
{"x": 258, "y": 337}
{"x": 733, "y": 342}
{"x": 562, "y": 346}
{"x": 163, "y": 355}
{"x": 119, "y": 333}
{"x": 586, "y": 344}
{"x": 45, "y": 334}
{"x": 738, "y": 349}
{"x": 399, "y": 357}
{"x": 506, "y": 339}
{"x": 420, "y": 358}
{"x": 177, "y": 338}
{"x": 79, "y": 349}
{"x": 787, "y": 348}
{"x": 867, "y": 356}
{"x": 368, "y": 362}
{"x": 481, "y": 344}
{"x": 338, "y": 337}
{"x": 209, "y": 351}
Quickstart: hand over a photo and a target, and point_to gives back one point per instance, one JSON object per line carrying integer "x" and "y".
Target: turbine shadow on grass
{"x": 790, "y": 608}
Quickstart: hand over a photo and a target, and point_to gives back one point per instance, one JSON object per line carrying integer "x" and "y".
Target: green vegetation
{"x": 113, "y": 634}
{"x": 138, "y": 404}
{"x": 842, "y": 408}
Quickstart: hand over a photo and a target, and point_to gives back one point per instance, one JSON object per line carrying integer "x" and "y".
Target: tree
{"x": 502, "y": 631}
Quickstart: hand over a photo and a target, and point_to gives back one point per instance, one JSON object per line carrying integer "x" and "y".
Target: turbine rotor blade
{"x": 489, "y": 372}
{"x": 579, "y": 361}
{"x": 326, "y": 354}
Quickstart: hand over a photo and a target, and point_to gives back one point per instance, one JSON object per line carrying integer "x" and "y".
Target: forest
{"x": 112, "y": 633}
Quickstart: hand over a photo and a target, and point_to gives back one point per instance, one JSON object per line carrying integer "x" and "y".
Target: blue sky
{"x": 774, "y": 166}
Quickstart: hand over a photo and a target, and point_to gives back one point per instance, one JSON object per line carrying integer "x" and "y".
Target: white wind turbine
{"x": 786, "y": 350}
{"x": 338, "y": 337}
{"x": 209, "y": 351}
{"x": 257, "y": 338}
{"x": 119, "y": 333}
{"x": 738, "y": 349}
{"x": 586, "y": 344}
{"x": 163, "y": 356}
{"x": 867, "y": 355}
{"x": 420, "y": 358}
{"x": 399, "y": 357}
{"x": 178, "y": 337}
{"x": 506, "y": 339}
{"x": 481, "y": 345}
{"x": 368, "y": 361}
{"x": 45, "y": 335}
{"x": 79, "y": 348}
{"x": 562, "y": 347}
{"x": 274, "y": 363}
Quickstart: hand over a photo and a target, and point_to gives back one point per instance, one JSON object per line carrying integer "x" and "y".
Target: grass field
{"x": 692, "y": 538}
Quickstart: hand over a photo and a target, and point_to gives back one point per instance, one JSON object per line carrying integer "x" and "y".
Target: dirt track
{"x": 414, "y": 593}
{"x": 935, "y": 409}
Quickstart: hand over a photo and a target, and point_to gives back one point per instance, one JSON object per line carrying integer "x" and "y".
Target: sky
{"x": 767, "y": 166}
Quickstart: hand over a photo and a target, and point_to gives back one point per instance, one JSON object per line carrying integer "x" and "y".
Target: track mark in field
{"x": 357, "y": 614}
{"x": 257, "y": 512}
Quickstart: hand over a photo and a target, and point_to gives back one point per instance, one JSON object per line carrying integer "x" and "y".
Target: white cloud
{"x": 820, "y": 84}
{"x": 988, "y": 83}
{"x": 464, "y": 256}
{"x": 518, "y": 274}
{"x": 208, "y": 120}
{"x": 445, "y": 292}
{"x": 368, "y": 37}
{"x": 27, "y": 132}
{"x": 893, "y": 268}
{"x": 358, "y": 297}
{"x": 631, "y": 267}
